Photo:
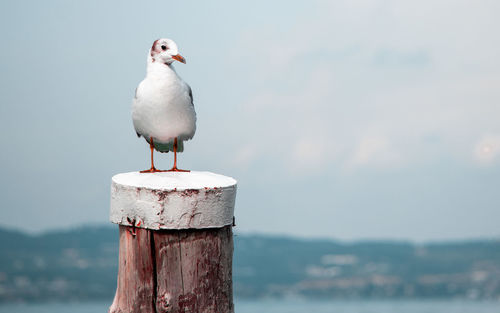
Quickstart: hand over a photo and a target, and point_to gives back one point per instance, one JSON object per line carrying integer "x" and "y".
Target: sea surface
{"x": 289, "y": 306}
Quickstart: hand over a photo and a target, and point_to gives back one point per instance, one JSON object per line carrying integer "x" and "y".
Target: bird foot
{"x": 152, "y": 170}
{"x": 175, "y": 169}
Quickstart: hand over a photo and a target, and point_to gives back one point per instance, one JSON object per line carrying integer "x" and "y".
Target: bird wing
{"x": 190, "y": 91}
{"x": 134, "y": 100}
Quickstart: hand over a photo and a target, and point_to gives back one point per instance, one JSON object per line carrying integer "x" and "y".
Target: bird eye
{"x": 164, "y": 47}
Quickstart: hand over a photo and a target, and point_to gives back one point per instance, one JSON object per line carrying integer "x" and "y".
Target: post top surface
{"x": 174, "y": 180}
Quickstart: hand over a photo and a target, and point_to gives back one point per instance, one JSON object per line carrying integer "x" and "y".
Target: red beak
{"x": 179, "y": 58}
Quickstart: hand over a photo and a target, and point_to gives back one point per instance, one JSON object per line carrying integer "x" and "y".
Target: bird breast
{"x": 162, "y": 109}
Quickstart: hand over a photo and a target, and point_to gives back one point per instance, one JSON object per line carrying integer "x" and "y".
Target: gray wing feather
{"x": 190, "y": 94}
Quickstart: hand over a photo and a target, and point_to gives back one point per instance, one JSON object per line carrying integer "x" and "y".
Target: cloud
{"x": 245, "y": 155}
{"x": 375, "y": 151}
{"x": 369, "y": 82}
{"x": 310, "y": 154}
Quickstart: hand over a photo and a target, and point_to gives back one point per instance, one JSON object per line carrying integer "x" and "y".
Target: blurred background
{"x": 364, "y": 136}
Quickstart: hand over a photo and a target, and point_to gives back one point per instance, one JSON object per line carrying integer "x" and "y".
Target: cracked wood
{"x": 175, "y": 271}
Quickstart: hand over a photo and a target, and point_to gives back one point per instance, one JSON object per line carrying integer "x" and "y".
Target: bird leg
{"x": 174, "y": 168}
{"x": 152, "y": 169}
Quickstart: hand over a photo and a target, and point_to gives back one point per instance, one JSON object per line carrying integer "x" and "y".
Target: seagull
{"x": 162, "y": 109}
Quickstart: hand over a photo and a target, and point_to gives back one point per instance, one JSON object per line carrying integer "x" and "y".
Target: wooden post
{"x": 176, "y": 242}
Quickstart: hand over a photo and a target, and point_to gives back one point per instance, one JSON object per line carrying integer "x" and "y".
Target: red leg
{"x": 152, "y": 169}
{"x": 174, "y": 168}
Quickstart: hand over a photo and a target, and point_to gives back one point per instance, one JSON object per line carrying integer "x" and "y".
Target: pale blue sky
{"x": 342, "y": 119}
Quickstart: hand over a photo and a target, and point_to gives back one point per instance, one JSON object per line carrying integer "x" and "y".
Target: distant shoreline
{"x": 81, "y": 265}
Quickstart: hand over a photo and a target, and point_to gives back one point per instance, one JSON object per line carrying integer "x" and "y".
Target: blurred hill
{"x": 81, "y": 264}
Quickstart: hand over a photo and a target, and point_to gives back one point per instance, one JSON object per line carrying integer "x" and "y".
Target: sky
{"x": 352, "y": 120}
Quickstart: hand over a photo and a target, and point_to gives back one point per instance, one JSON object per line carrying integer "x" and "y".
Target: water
{"x": 288, "y": 306}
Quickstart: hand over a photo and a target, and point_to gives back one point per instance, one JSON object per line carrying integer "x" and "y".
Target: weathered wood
{"x": 204, "y": 266}
{"x": 135, "y": 290}
{"x": 170, "y": 271}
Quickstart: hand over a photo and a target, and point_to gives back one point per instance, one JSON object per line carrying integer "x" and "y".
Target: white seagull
{"x": 162, "y": 109}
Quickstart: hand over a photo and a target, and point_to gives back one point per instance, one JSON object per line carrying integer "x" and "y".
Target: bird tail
{"x": 169, "y": 146}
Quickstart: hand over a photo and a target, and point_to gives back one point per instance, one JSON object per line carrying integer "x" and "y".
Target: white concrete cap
{"x": 172, "y": 200}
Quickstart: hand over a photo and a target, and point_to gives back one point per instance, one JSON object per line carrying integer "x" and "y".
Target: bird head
{"x": 165, "y": 51}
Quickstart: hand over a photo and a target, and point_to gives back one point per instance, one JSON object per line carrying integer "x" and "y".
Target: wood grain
{"x": 135, "y": 287}
{"x": 170, "y": 271}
